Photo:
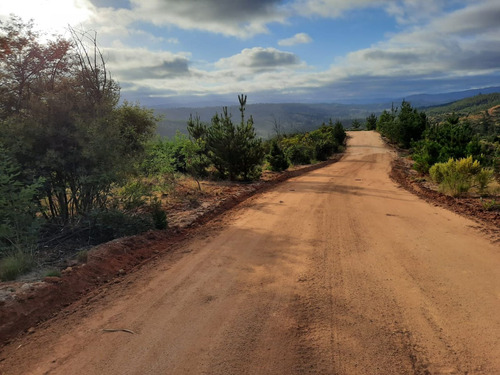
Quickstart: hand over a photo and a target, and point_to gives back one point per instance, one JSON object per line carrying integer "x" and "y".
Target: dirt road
{"x": 338, "y": 271}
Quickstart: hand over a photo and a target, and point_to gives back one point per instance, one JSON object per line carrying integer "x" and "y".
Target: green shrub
{"x": 234, "y": 150}
{"x": 299, "y": 154}
{"x": 425, "y": 154}
{"x": 159, "y": 215}
{"x": 19, "y": 224}
{"x": 437, "y": 172}
{"x": 134, "y": 194}
{"x": 82, "y": 256}
{"x": 106, "y": 225}
{"x": 339, "y": 133}
{"x": 459, "y": 176}
{"x": 402, "y": 126}
{"x": 490, "y": 205}
{"x": 277, "y": 158}
{"x": 483, "y": 179}
{"x": 324, "y": 148}
{"x": 15, "y": 265}
{"x": 52, "y": 273}
{"x": 371, "y": 122}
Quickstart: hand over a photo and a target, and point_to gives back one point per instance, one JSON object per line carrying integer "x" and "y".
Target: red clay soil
{"x": 23, "y": 305}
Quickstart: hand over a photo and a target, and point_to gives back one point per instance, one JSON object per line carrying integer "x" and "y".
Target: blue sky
{"x": 192, "y": 52}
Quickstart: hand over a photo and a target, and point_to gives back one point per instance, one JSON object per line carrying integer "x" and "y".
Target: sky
{"x": 206, "y": 52}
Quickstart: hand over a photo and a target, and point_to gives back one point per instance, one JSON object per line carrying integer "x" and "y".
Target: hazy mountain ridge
{"x": 302, "y": 117}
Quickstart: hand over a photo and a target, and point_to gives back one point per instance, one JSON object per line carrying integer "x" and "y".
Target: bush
{"x": 52, "y": 273}
{"x": 456, "y": 177}
{"x": 483, "y": 179}
{"x": 299, "y": 154}
{"x": 324, "y": 148}
{"x": 14, "y": 265}
{"x": 277, "y": 158}
{"x": 425, "y": 154}
{"x": 82, "y": 256}
{"x": 402, "y": 126}
{"x": 133, "y": 195}
{"x": 371, "y": 122}
{"x": 19, "y": 225}
{"x": 106, "y": 225}
{"x": 159, "y": 215}
{"x": 339, "y": 133}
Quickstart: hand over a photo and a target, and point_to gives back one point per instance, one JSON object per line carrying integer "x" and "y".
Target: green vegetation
{"x": 317, "y": 145}
{"x": 450, "y": 139}
{"x": 234, "y": 151}
{"x": 276, "y": 158}
{"x": 82, "y": 256}
{"x": 68, "y": 151}
{"x": 402, "y": 126}
{"x": 473, "y": 105}
{"x": 371, "y": 122}
{"x": 52, "y": 273}
{"x": 450, "y": 149}
{"x": 78, "y": 166}
{"x": 15, "y": 264}
{"x": 456, "y": 177}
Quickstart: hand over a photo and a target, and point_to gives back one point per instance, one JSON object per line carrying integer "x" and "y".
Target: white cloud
{"x": 240, "y": 18}
{"x": 259, "y": 59}
{"x": 331, "y": 8}
{"x": 300, "y": 38}
{"x": 432, "y": 44}
{"x": 434, "y": 48}
{"x": 140, "y": 64}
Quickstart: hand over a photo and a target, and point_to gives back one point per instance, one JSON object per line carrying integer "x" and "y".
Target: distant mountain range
{"x": 293, "y": 117}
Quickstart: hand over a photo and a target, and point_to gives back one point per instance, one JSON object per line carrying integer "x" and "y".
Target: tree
{"x": 276, "y": 158}
{"x": 410, "y": 124}
{"x": 402, "y": 126}
{"x": 450, "y": 139}
{"x": 338, "y": 132}
{"x": 61, "y": 121}
{"x": 18, "y": 207}
{"x": 356, "y": 124}
{"x": 235, "y": 151}
{"x": 29, "y": 68}
{"x": 371, "y": 122}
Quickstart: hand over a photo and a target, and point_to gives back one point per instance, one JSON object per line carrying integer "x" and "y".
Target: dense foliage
{"x": 459, "y": 176}
{"x": 235, "y": 151}
{"x": 319, "y": 144}
{"x": 447, "y": 148}
{"x": 403, "y": 125}
{"x": 450, "y": 139}
{"x": 371, "y": 122}
{"x": 472, "y": 105}
{"x": 65, "y": 142}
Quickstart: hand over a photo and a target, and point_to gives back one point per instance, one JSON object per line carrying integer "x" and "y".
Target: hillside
{"x": 295, "y": 117}
{"x": 471, "y": 106}
{"x": 292, "y": 117}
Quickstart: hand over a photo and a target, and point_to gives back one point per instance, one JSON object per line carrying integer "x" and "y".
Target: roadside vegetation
{"x": 460, "y": 154}
{"x": 79, "y": 167}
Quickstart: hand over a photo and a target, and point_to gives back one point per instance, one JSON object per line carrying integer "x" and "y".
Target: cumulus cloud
{"x": 331, "y": 8}
{"x": 241, "y": 18}
{"x": 437, "y": 43}
{"x": 130, "y": 64}
{"x": 300, "y": 38}
{"x": 475, "y": 19}
{"x": 259, "y": 58}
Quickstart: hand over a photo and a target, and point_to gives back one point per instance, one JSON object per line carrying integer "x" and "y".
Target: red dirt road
{"x": 338, "y": 271}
